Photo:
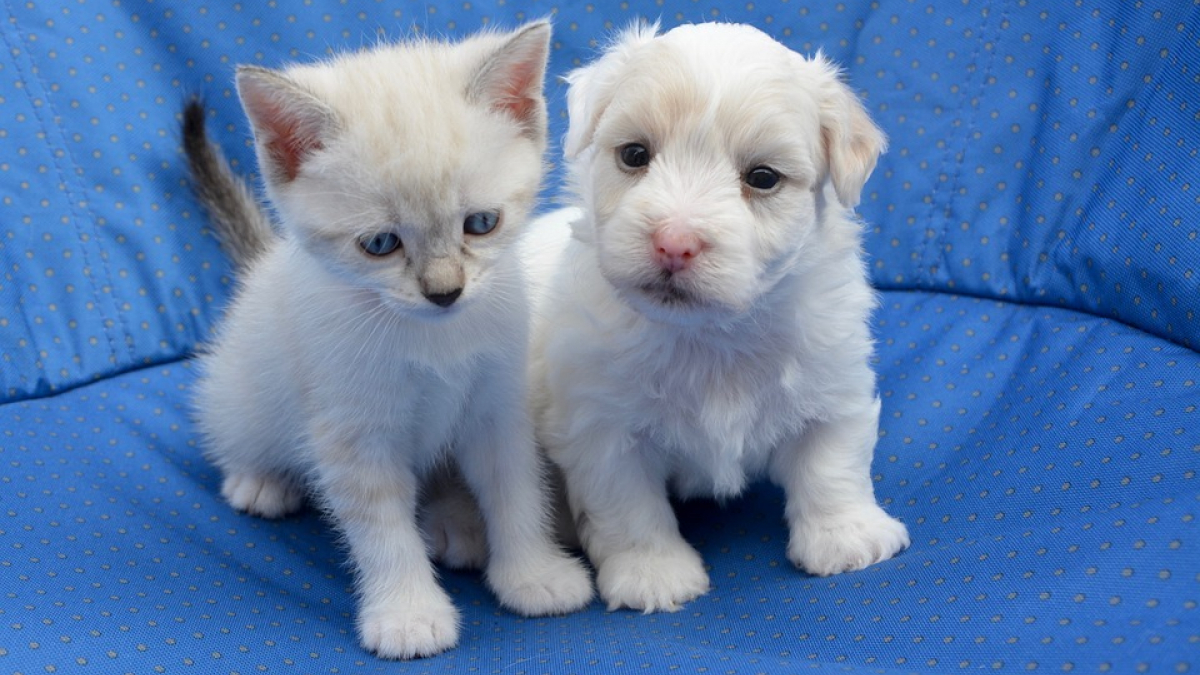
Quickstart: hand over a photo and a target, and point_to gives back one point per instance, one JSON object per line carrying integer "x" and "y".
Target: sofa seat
{"x": 1044, "y": 461}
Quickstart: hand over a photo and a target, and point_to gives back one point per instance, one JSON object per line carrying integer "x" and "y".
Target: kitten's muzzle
{"x": 442, "y": 280}
{"x": 443, "y": 299}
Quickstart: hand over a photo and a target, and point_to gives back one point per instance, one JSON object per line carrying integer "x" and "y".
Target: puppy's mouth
{"x": 671, "y": 298}
{"x": 666, "y": 292}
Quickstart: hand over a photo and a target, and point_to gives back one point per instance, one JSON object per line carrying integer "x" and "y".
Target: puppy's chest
{"x": 717, "y": 425}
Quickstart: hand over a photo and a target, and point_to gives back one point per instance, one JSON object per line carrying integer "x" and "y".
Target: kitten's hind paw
{"x": 454, "y": 532}
{"x": 266, "y": 496}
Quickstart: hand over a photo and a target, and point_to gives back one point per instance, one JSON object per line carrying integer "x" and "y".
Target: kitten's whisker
{"x": 352, "y": 331}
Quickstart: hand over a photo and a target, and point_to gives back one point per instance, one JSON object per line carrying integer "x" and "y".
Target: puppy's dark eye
{"x": 480, "y": 223}
{"x": 379, "y": 245}
{"x": 633, "y": 155}
{"x": 762, "y": 178}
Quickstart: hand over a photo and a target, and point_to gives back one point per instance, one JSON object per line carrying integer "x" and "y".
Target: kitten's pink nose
{"x": 675, "y": 248}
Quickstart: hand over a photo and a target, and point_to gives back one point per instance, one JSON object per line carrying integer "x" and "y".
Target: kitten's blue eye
{"x": 381, "y": 244}
{"x": 480, "y": 223}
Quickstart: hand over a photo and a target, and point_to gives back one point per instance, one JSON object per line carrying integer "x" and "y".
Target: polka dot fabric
{"x": 1045, "y": 155}
{"x": 1032, "y": 230}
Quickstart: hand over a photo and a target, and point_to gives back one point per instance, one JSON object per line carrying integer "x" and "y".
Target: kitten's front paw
{"x": 409, "y": 632}
{"x": 262, "y": 495}
{"x": 845, "y": 542}
{"x": 553, "y": 583}
{"x": 659, "y": 579}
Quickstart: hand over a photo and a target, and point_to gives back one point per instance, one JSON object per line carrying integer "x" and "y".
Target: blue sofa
{"x": 1033, "y": 231}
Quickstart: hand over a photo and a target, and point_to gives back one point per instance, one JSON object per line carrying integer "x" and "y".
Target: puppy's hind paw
{"x": 262, "y": 495}
{"x": 846, "y": 542}
{"x": 652, "y": 580}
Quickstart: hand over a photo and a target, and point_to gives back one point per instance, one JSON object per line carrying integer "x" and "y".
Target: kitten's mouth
{"x": 426, "y": 311}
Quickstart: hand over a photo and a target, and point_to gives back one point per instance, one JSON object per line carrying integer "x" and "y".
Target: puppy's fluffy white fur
{"x": 754, "y": 357}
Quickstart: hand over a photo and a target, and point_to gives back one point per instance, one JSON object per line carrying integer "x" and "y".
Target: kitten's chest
{"x": 422, "y": 407}
{"x": 412, "y": 408}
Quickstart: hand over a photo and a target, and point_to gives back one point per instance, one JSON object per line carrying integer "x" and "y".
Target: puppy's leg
{"x": 528, "y": 572}
{"x": 835, "y": 524}
{"x": 372, "y": 495}
{"x": 628, "y": 528}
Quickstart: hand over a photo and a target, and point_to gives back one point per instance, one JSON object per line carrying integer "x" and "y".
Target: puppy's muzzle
{"x": 674, "y": 248}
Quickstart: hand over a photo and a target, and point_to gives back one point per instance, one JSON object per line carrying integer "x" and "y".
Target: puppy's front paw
{"x": 652, "y": 580}
{"x": 552, "y": 583}
{"x": 407, "y": 632}
{"x": 262, "y": 495}
{"x": 845, "y": 542}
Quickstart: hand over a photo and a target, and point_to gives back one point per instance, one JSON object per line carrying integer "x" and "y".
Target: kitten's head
{"x": 702, "y": 156}
{"x": 406, "y": 169}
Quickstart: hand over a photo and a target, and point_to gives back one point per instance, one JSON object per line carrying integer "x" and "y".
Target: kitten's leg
{"x": 529, "y": 573}
{"x": 262, "y": 494}
{"x": 625, "y": 520}
{"x": 372, "y": 495}
{"x": 835, "y": 524}
{"x": 451, "y": 522}
{"x": 253, "y": 447}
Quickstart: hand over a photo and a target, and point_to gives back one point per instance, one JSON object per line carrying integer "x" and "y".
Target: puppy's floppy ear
{"x": 289, "y": 122}
{"x": 512, "y": 78}
{"x": 593, "y": 87}
{"x": 851, "y": 140}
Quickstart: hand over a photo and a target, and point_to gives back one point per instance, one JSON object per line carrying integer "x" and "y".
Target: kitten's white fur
{"x": 763, "y": 365}
{"x": 333, "y": 373}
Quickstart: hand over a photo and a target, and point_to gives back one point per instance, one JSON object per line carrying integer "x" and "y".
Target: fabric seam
{"x": 75, "y": 193}
{"x": 932, "y": 253}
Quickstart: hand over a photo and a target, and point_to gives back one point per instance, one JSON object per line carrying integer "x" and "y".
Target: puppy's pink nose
{"x": 675, "y": 248}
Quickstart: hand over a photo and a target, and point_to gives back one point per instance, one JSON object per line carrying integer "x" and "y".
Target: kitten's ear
{"x": 593, "y": 87}
{"x": 289, "y": 122}
{"x": 512, "y": 79}
{"x": 851, "y": 140}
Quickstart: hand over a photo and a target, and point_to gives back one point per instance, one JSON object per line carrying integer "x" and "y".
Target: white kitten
{"x": 709, "y": 322}
{"x": 387, "y": 327}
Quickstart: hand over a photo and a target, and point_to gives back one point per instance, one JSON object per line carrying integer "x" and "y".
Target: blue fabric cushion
{"x": 1033, "y": 230}
{"x": 1040, "y": 155}
{"x": 1044, "y": 460}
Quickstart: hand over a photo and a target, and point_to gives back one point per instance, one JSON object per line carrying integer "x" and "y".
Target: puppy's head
{"x": 703, "y": 156}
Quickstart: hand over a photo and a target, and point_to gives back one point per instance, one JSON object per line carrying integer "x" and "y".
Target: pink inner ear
{"x": 520, "y": 109}
{"x": 288, "y": 132}
{"x": 290, "y": 142}
{"x": 289, "y": 152}
{"x": 512, "y": 96}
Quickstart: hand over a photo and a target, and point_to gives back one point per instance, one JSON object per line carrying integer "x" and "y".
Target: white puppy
{"x": 708, "y": 321}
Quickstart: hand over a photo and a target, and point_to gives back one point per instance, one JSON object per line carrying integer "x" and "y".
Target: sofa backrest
{"x": 1042, "y": 153}
{"x": 1037, "y": 155}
